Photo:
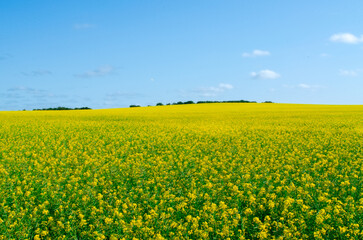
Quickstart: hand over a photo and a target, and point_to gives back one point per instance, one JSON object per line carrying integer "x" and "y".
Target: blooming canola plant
{"x": 199, "y": 171}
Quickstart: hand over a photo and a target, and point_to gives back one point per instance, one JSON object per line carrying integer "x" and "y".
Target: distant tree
{"x": 131, "y": 106}
{"x": 61, "y": 108}
{"x": 229, "y": 101}
{"x": 159, "y": 104}
{"x": 267, "y": 102}
{"x": 188, "y": 102}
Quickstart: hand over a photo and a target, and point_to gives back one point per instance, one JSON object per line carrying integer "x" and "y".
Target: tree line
{"x": 62, "y": 108}
{"x": 199, "y": 102}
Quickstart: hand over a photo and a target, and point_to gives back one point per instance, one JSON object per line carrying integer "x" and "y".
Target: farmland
{"x": 200, "y": 171}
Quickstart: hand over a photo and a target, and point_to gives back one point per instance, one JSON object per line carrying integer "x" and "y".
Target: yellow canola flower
{"x": 198, "y": 171}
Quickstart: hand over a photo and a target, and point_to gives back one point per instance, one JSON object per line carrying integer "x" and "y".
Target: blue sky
{"x": 109, "y": 54}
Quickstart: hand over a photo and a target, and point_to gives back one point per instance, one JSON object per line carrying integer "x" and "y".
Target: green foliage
{"x": 62, "y": 108}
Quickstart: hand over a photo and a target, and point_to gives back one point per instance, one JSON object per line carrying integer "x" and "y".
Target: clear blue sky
{"x": 108, "y": 54}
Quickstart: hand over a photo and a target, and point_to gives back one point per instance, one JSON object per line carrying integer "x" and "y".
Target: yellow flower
{"x": 44, "y": 233}
{"x": 248, "y": 211}
{"x": 108, "y": 220}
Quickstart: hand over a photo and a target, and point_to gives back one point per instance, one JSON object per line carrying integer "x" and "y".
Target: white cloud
{"x": 309, "y": 87}
{"x": 265, "y": 74}
{"x": 37, "y": 73}
{"x": 346, "y": 38}
{"x": 349, "y": 73}
{"x": 256, "y": 53}
{"x": 5, "y": 56}
{"x": 303, "y": 85}
{"x": 79, "y": 26}
{"x": 225, "y": 86}
{"x": 23, "y": 97}
{"x": 101, "y": 71}
{"x": 214, "y": 90}
{"x": 118, "y": 98}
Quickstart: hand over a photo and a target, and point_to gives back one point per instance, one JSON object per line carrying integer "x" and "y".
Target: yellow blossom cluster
{"x": 201, "y": 171}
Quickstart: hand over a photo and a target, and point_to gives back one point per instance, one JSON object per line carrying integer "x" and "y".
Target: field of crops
{"x": 201, "y": 171}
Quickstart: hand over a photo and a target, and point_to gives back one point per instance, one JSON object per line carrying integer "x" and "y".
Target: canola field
{"x": 201, "y": 171}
